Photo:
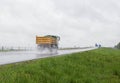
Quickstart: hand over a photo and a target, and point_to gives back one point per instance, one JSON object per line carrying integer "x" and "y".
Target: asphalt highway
{"x": 20, "y": 56}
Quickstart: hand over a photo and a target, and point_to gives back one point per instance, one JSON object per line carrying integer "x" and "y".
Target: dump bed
{"x": 45, "y": 40}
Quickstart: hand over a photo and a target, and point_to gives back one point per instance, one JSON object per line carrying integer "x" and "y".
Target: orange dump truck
{"x": 50, "y": 42}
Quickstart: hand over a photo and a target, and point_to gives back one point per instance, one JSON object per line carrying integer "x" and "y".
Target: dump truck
{"x": 49, "y": 42}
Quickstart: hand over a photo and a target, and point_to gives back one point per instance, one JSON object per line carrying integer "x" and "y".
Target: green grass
{"x": 96, "y": 66}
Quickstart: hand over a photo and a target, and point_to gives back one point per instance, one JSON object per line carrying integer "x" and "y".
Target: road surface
{"x": 13, "y": 57}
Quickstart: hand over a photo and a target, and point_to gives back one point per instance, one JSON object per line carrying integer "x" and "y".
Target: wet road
{"x": 13, "y": 57}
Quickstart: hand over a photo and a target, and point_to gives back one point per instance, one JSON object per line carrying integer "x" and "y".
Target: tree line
{"x": 118, "y": 46}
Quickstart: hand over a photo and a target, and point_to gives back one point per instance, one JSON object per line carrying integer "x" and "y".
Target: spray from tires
{"x": 47, "y": 44}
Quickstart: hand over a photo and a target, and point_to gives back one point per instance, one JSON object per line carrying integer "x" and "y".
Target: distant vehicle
{"x": 98, "y": 45}
{"x": 49, "y": 42}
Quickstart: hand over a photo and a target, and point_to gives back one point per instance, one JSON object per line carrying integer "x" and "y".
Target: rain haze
{"x": 77, "y": 22}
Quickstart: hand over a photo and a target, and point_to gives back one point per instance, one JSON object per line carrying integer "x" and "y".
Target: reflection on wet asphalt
{"x": 12, "y": 57}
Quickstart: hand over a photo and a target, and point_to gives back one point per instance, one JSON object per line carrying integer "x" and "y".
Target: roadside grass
{"x": 96, "y": 66}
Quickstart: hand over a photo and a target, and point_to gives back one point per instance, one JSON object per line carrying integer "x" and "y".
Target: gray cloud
{"x": 78, "y": 22}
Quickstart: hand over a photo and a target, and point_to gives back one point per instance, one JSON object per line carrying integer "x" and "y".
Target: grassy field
{"x": 96, "y": 66}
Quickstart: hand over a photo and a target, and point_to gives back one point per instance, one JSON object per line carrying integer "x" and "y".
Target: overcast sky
{"x": 77, "y": 22}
